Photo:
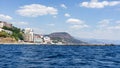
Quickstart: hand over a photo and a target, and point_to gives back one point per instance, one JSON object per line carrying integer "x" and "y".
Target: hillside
{"x": 65, "y": 38}
{"x": 16, "y": 33}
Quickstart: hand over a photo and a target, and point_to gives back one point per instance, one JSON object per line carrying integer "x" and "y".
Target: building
{"x": 38, "y": 38}
{"x": 47, "y": 40}
{"x": 1, "y": 29}
{"x": 2, "y": 24}
{"x": 28, "y": 37}
{"x": 7, "y": 31}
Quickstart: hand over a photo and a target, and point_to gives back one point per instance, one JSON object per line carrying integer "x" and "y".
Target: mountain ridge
{"x": 100, "y": 41}
{"x": 65, "y": 38}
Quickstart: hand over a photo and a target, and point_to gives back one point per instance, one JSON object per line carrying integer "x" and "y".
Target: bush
{"x": 17, "y": 33}
{"x": 3, "y": 34}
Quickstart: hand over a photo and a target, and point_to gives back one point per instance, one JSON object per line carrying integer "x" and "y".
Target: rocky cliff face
{"x": 65, "y": 38}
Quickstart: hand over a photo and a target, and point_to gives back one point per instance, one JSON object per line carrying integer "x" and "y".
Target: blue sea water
{"x": 31, "y": 56}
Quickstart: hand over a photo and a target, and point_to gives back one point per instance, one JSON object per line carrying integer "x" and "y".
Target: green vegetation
{"x": 16, "y": 32}
{"x": 56, "y": 39}
{"x": 4, "y": 34}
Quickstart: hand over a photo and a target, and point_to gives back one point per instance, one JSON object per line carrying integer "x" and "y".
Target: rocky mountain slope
{"x": 65, "y": 38}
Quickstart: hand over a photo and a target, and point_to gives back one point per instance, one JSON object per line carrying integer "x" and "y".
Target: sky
{"x": 97, "y": 19}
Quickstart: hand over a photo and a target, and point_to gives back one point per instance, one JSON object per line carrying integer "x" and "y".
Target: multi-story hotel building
{"x": 28, "y": 37}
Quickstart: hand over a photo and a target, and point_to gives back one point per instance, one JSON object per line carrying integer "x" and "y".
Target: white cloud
{"x": 35, "y": 10}
{"x": 20, "y": 23}
{"x": 104, "y": 34}
{"x": 23, "y": 23}
{"x": 74, "y": 21}
{"x": 67, "y": 15}
{"x": 96, "y": 4}
{"x": 104, "y": 23}
{"x": 79, "y": 26}
{"x": 117, "y": 27}
{"x": 94, "y": 0}
{"x": 38, "y": 30}
{"x": 51, "y": 24}
{"x": 5, "y": 17}
{"x": 118, "y": 22}
{"x": 110, "y": 30}
{"x": 54, "y": 16}
{"x": 109, "y": 24}
{"x": 98, "y": 34}
{"x": 63, "y": 6}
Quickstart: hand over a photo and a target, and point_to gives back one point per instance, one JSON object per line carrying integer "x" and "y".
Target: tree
{"x": 17, "y": 33}
{"x": 3, "y": 34}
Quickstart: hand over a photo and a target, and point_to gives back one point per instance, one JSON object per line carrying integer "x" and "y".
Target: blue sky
{"x": 99, "y": 19}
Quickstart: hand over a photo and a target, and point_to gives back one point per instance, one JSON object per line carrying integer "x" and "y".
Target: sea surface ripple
{"x": 46, "y": 56}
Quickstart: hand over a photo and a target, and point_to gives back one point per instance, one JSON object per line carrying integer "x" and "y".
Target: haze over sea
{"x": 44, "y": 56}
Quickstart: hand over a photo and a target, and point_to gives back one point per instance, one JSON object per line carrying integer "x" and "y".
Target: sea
{"x": 54, "y": 56}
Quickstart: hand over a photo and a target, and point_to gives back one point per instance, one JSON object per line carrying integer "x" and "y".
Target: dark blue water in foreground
{"x": 24, "y": 56}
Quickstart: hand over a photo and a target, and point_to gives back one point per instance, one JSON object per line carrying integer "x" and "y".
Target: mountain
{"x": 100, "y": 41}
{"x": 65, "y": 38}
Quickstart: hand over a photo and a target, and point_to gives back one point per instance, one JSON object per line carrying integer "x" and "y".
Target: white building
{"x": 38, "y": 38}
{"x": 28, "y": 35}
{"x": 1, "y": 29}
{"x": 7, "y": 31}
{"x": 2, "y": 24}
{"x": 47, "y": 40}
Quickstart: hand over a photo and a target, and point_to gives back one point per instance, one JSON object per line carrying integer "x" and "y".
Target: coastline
{"x": 57, "y": 44}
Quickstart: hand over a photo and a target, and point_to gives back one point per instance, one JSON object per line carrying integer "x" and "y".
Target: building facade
{"x": 2, "y": 24}
{"x": 38, "y": 38}
{"x": 28, "y": 37}
{"x": 47, "y": 40}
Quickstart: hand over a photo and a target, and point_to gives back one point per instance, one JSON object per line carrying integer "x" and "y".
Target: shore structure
{"x": 28, "y": 35}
